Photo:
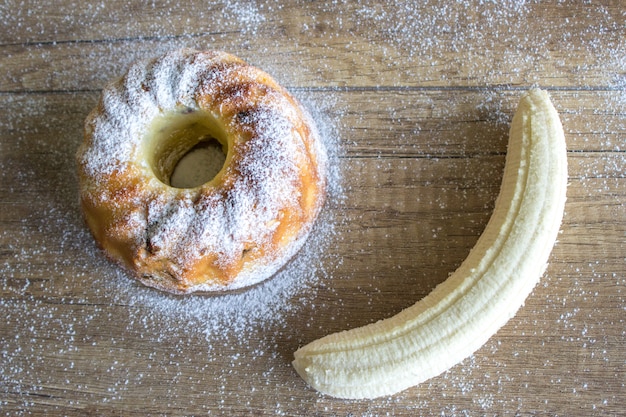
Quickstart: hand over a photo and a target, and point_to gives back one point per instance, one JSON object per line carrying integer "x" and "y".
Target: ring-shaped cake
{"x": 233, "y": 231}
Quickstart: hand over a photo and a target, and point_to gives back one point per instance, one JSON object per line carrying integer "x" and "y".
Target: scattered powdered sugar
{"x": 236, "y": 313}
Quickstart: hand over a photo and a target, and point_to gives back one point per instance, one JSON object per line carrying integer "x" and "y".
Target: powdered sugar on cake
{"x": 181, "y": 226}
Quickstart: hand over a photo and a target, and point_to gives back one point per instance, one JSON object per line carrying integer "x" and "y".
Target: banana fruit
{"x": 464, "y": 311}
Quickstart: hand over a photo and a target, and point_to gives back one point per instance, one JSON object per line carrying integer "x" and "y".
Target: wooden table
{"x": 414, "y": 101}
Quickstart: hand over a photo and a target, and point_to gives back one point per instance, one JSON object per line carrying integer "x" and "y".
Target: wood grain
{"x": 415, "y": 100}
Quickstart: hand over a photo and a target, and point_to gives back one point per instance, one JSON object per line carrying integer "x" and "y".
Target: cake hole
{"x": 186, "y": 148}
{"x": 200, "y": 165}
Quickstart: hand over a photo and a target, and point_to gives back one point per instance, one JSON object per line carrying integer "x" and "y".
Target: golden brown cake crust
{"x": 233, "y": 231}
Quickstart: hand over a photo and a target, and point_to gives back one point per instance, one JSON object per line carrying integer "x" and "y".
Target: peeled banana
{"x": 464, "y": 311}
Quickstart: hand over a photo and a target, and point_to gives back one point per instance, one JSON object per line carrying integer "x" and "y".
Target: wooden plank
{"x": 315, "y": 46}
{"x": 406, "y": 123}
{"x": 46, "y": 22}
